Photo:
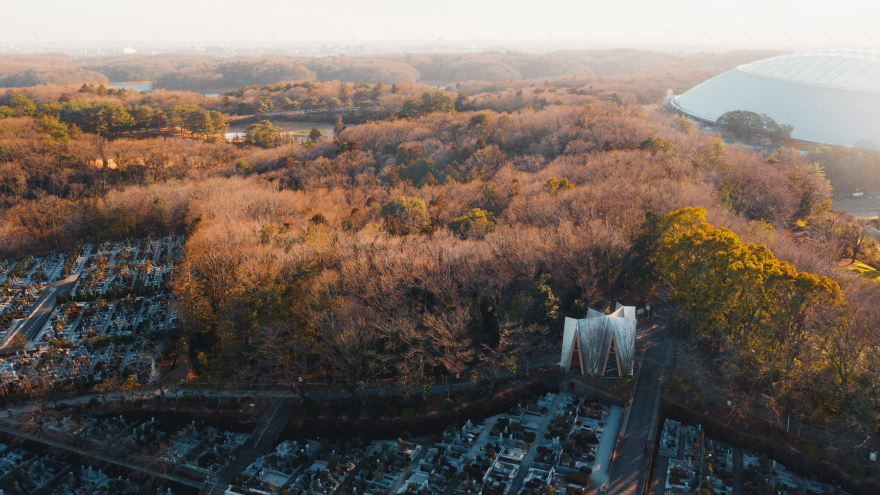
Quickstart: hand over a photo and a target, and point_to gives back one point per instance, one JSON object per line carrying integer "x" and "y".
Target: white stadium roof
{"x": 827, "y": 96}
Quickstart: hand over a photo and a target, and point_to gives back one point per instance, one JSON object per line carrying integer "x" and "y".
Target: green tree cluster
{"x": 737, "y": 292}
{"x": 747, "y": 125}
{"x": 265, "y": 135}
{"x": 109, "y": 118}
{"x": 410, "y": 215}
{"x": 474, "y": 224}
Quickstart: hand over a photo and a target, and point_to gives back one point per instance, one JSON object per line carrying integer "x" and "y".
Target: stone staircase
{"x": 261, "y": 441}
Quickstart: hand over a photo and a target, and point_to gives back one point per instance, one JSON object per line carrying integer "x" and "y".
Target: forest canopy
{"x": 445, "y": 232}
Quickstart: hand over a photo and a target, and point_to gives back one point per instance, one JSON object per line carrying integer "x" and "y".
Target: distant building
{"x": 217, "y": 50}
{"x": 600, "y": 345}
{"x": 129, "y": 50}
{"x": 669, "y": 98}
{"x": 827, "y": 96}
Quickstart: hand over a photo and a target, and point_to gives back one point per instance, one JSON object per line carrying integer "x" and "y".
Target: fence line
{"x": 789, "y": 425}
{"x": 390, "y": 389}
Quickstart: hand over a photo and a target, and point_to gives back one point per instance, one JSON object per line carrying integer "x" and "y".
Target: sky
{"x": 747, "y": 24}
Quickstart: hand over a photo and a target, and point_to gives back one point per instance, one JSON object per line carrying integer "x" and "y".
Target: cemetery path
{"x": 528, "y": 460}
{"x": 261, "y": 442}
{"x": 737, "y": 471}
{"x": 409, "y": 470}
{"x": 631, "y": 462}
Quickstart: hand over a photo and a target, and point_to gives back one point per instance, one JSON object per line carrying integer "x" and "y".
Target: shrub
{"x": 777, "y": 438}
{"x": 319, "y": 219}
{"x": 554, "y": 185}
{"x": 656, "y": 145}
{"x": 586, "y": 470}
{"x": 674, "y": 480}
{"x": 408, "y": 413}
{"x": 392, "y": 412}
{"x": 446, "y": 405}
{"x": 375, "y": 413}
{"x": 745, "y": 125}
{"x": 579, "y": 478}
{"x": 574, "y": 490}
{"x": 474, "y": 224}
{"x": 409, "y": 214}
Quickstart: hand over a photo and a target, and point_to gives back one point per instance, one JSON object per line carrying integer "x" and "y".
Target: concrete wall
{"x": 581, "y": 389}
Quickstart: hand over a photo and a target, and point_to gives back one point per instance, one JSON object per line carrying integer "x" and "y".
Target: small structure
{"x": 600, "y": 345}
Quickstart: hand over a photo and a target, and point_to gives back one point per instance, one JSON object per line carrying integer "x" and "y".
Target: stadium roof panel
{"x": 852, "y": 69}
{"x": 827, "y": 96}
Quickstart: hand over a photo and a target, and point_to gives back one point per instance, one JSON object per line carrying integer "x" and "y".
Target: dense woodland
{"x": 449, "y": 232}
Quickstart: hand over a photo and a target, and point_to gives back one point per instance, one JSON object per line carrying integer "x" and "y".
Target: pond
{"x": 137, "y": 85}
{"x": 147, "y": 86}
{"x": 299, "y": 130}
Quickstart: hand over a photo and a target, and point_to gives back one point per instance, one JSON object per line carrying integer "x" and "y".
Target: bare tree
{"x": 853, "y": 239}
{"x": 348, "y": 342}
{"x": 846, "y": 331}
{"x": 448, "y": 334}
{"x": 285, "y": 354}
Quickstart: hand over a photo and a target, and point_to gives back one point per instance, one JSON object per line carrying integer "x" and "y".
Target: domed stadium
{"x": 827, "y": 96}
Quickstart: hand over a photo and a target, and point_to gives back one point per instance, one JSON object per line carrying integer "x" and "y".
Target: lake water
{"x": 146, "y": 86}
{"x": 138, "y": 85}
{"x": 299, "y": 130}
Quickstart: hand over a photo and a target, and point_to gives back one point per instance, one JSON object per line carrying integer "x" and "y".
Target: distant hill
{"x": 203, "y": 72}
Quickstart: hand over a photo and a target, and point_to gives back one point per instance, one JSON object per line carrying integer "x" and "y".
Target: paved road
{"x": 630, "y": 464}
{"x": 44, "y": 306}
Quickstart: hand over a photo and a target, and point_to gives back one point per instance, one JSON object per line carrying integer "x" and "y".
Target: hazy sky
{"x": 674, "y": 22}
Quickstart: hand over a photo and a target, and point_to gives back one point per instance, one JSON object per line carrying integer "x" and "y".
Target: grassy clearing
{"x": 865, "y": 271}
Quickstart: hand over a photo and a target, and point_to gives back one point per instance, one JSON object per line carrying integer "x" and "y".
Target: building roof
{"x": 845, "y": 69}
{"x": 595, "y": 334}
{"x": 827, "y": 96}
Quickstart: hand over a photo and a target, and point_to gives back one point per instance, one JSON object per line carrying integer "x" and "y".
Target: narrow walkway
{"x": 529, "y": 459}
{"x": 261, "y": 441}
{"x": 737, "y": 471}
{"x": 628, "y": 476}
{"x": 409, "y": 470}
